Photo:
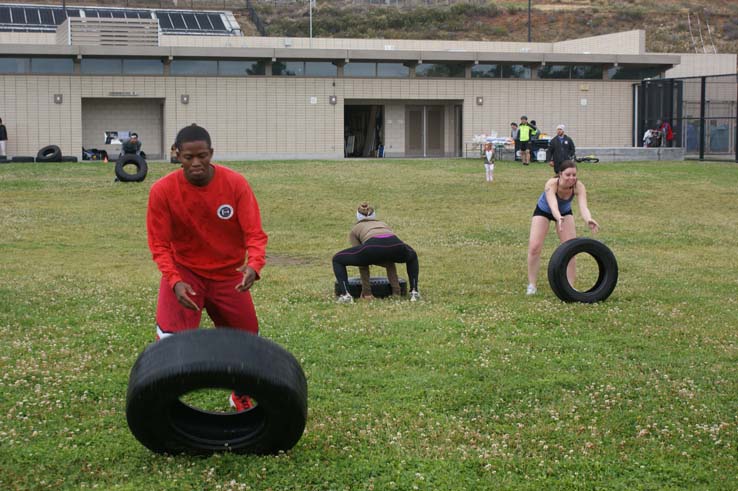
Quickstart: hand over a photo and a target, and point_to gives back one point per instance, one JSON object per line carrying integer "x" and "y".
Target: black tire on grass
{"x": 68, "y": 158}
{"x": 381, "y": 287}
{"x": 49, "y": 153}
{"x": 606, "y": 263}
{"x": 22, "y": 159}
{"x": 216, "y": 358}
{"x": 131, "y": 159}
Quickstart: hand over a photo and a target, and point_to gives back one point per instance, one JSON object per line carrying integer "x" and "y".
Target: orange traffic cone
{"x": 105, "y": 159}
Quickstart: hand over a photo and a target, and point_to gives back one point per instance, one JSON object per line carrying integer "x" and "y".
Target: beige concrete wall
{"x": 342, "y": 43}
{"x": 27, "y": 38}
{"x": 33, "y": 120}
{"x": 699, "y": 65}
{"x": 273, "y": 117}
{"x": 623, "y": 43}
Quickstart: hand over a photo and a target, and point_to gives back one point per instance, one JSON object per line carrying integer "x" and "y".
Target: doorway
{"x": 363, "y": 134}
{"x": 424, "y": 131}
{"x": 108, "y": 121}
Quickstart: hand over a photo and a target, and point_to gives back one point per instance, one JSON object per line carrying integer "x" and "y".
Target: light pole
{"x": 311, "y": 22}
{"x": 529, "y": 1}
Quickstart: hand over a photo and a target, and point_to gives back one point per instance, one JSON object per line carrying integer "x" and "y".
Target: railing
{"x": 108, "y": 32}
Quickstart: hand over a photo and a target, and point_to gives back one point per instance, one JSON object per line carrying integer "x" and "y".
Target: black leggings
{"x": 376, "y": 251}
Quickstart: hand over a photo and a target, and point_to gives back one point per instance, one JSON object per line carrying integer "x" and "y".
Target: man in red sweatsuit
{"x": 202, "y": 222}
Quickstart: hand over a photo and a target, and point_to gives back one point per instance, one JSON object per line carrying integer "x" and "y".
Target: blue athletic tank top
{"x": 564, "y": 204}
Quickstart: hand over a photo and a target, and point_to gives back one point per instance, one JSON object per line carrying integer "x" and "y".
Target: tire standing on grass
{"x": 554, "y": 205}
{"x": 202, "y": 222}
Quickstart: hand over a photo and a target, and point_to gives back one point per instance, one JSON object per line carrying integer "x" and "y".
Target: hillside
{"x": 667, "y": 22}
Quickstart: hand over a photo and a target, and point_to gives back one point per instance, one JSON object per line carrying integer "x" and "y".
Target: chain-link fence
{"x": 702, "y": 112}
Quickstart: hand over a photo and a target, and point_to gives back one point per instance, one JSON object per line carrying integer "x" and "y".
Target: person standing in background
{"x": 514, "y": 135}
{"x": 560, "y": 148}
{"x": 524, "y": 133}
{"x": 3, "y": 138}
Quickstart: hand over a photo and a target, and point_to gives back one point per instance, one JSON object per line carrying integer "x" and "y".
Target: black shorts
{"x": 525, "y": 146}
{"x": 540, "y": 213}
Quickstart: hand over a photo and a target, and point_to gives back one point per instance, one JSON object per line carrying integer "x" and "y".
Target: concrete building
{"x": 279, "y": 98}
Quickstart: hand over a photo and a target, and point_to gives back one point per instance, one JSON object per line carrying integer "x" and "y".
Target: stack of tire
{"x": 52, "y": 153}
{"x": 127, "y": 160}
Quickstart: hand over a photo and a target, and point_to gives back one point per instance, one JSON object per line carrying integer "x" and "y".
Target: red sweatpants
{"x": 225, "y": 306}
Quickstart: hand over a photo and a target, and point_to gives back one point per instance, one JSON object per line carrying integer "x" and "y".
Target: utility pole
{"x": 311, "y": 23}
{"x": 529, "y": 2}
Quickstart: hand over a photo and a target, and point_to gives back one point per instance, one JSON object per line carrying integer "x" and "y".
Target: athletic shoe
{"x": 531, "y": 290}
{"x": 414, "y": 296}
{"x": 345, "y": 298}
{"x": 240, "y": 402}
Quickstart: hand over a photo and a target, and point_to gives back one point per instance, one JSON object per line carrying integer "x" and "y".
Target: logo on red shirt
{"x": 225, "y": 212}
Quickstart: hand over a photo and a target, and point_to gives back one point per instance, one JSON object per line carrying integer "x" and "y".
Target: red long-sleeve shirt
{"x": 208, "y": 229}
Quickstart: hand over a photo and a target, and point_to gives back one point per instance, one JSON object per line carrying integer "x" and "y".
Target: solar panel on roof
{"x": 18, "y": 16}
{"x": 177, "y": 21}
{"x": 217, "y": 22}
{"x": 164, "y": 21}
{"x": 189, "y": 20}
{"x": 33, "y": 16}
{"x": 59, "y": 16}
{"x": 204, "y": 22}
{"x": 47, "y": 16}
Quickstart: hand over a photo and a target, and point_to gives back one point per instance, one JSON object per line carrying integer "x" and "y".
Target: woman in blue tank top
{"x": 554, "y": 205}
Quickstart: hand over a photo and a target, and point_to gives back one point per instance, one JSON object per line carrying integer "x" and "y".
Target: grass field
{"x": 475, "y": 387}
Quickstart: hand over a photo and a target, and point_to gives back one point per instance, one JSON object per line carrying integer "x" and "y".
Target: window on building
{"x": 393, "y": 70}
{"x": 320, "y": 69}
{"x": 241, "y": 68}
{"x": 101, "y": 66}
{"x": 554, "y": 71}
{"x": 486, "y": 70}
{"x": 288, "y": 68}
{"x": 445, "y": 70}
{"x": 516, "y": 71}
{"x": 592, "y": 72}
{"x": 14, "y": 65}
{"x": 142, "y": 66}
{"x": 194, "y": 67}
{"x": 633, "y": 72}
{"x": 360, "y": 69}
{"x": 52, "y": 65}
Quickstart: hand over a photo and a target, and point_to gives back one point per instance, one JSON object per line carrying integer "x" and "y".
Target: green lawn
{"x": 475, "y": 387}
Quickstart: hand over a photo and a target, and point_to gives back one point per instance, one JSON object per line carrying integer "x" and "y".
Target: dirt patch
{"x": 276, "y": 260}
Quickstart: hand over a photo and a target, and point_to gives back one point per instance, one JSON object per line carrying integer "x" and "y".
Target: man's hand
{"x": 183, "y": 291}
{"x": 249, "y": 276}
{"x": 550, "y": 163}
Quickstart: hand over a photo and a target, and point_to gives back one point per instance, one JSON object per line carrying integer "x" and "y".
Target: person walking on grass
{"x": 203, "y": 224}
{"x": 373, "y": 242}
{"x": 554, "y": 205}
